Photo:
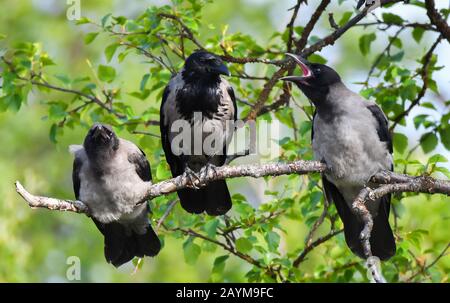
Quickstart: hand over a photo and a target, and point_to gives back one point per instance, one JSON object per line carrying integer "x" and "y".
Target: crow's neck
{"x": 199, "y": 94}
{"x": 326, "y": 100}
{"x": 100, "y": 159}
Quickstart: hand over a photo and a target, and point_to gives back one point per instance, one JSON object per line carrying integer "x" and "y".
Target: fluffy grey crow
{"x": 349, "y": 134}
{"x": 108, "y": 175}
{"x": 204, "y": 103}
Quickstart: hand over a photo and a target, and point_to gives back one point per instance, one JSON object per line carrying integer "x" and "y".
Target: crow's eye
{"x": 317, "y": 70}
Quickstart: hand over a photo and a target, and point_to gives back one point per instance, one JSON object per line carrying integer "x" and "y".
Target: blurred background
{"x": 35, "y": 244}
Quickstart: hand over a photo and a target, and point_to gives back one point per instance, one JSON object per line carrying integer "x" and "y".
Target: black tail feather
{"x": 122, "y": 245}
{"x": 382, "y": 240}
{"x": 215, "y": 199}
{"x": 192, "y": 200}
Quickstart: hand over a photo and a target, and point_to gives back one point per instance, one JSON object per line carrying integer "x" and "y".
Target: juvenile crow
{"x": 205, "y": 102}
{"x": 350, "y": 135}
{"x": 108, "y": 175}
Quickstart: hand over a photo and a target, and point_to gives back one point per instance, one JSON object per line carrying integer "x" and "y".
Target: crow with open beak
{"x": 351, "y": 136}
{"x": 200, "y": 98}
{"x": 109, "y": 174}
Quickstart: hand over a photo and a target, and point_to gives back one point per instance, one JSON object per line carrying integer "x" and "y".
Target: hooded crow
{"x": 198, "y": 100}
{"x": 350, "y": 135}
{"x": 108, "y": 175}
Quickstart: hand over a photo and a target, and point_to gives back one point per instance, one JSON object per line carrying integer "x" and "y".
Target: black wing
{"x": 230, "y": 91}
{"x": 176, "y": 167}
{"x": 141, "y": 164}
{"x": 383, "y": 125}
{"x": 77, "y": 163}
{"x": 312, "y": 126}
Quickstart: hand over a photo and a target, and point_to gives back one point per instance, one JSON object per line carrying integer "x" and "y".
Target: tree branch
{"x": 331, "y": 38}
{"x": 390, "y": 183}
{"x": 424, "y": 73}
{"x": 180, "y": 182}
{"x": 437, "y": 19}
{"x": 311, "y": 24}
{"x": 309, "y": 247}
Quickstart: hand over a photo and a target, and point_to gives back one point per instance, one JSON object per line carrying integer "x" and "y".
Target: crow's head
{"x": 316, "y": 79}
{"x": 202, "y": 63}
{"x": 100, "y": 141}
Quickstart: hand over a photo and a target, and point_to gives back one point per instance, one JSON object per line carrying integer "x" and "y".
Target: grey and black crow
{"x": 351, "y": 135}
{"x": 108, "y": 175}
{"x": 206, "y": 103}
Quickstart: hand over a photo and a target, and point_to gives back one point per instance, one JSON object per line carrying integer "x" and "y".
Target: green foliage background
{"x": 34, "y": 244}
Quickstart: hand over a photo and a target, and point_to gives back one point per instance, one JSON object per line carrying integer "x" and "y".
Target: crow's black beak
{"x": 307, "y": 73}
{"x": 100, "y": 130}
{"x": 221, "y": 70}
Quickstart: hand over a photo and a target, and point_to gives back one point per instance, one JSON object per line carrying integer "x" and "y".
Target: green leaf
{"x": 285, "y": 116}
{"x": 315, "y": 58}
{"x": 398, "y": 56}
{"x": 120, "y": 20}
{"x": 144, "y": 81}
{"x": 244, "y": 245}
{"x": 141, "y": 95}
{"x": 315, "y": 197}
{"x": 400, "y": 142}
{"x": 437, "y": 158}
{"x": 131, "y": 26}
{"x": 63, "y": 78}
{"x": 110, "y": 51}
{"x": 211, "y": 228}
{"x": 56, "y": 111}
{"x": 90, "y": 37}
{"x": 417, "y": 33}
{"x": 443, "y": 170}
{"x": 46, "y": 60}
{"x": 365, "y": 41}
{"x": 2, "y": 36}
{"x": 444, "y": 133}
{"x": 219, "y": 264}
{"x": 53, "y": 133}
{"x": 304, "y": 127}
{"x": 418, "y": 120}
{"x": 191, "y": 252}
{"x": 105, "y": 19}
{"x": 14, "y": 102}
{"x": 3, "y": 104}
{"x": 162, "y": 171}
{"x": 345, "y": 17}
{"x": 83, "y": 20}
{"x": 392, "y": 19}
{"x": 428, "y": 105}
{"x": 273, "y": 240}
{"x": 428, "y": 142}
{"x": 106, "y": 73}
{"x": 397, "y": 42}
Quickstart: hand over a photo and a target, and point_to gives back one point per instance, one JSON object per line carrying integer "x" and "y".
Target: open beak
{"x": 307, "y": 73}
{"x": 99, "y": 131}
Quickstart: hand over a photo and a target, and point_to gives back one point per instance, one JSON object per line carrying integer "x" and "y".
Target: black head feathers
{"x": 100, "y": 141}
{"x": 202, "y": 63}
